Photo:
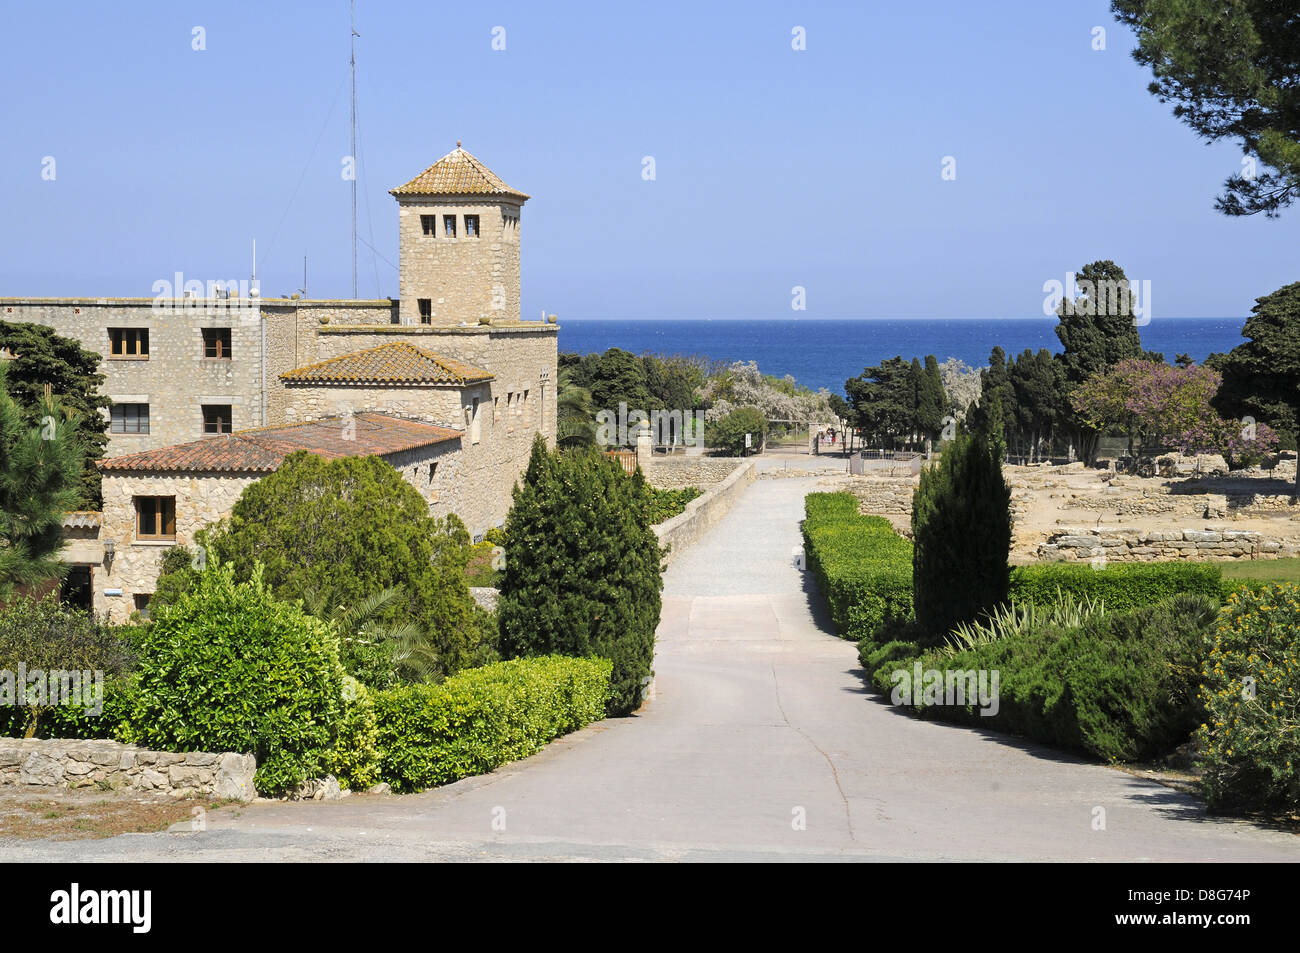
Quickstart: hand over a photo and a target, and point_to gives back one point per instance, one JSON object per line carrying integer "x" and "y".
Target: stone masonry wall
{"x": 671, "y": 473}
{"x": 176, "y": 379}
{"x": 201, "y": 498}
{"x": 113, "y": 766}
{"x": 1132, "y": 545}
{"x": 464, "y": 278}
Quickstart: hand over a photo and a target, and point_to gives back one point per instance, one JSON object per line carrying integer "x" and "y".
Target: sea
{"x": 827, "y": 352}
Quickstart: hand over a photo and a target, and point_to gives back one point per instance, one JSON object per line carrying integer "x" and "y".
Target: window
{"x": 433, "y": 468}
{"x": 129, "y": 343}
{"x": 449, "y": 226}
{"x": 473, "y": 422}
{"x": 155, "y": 517}
{"x": 130, "y": 418}
{"x": 216, "y": 343}
{"x": 426, "y": 310}
{"x": 429, "y": 224}
{"x": 216, "y": 418}
{"x": 471, "y": 226}
{"x": 142, "y": 603}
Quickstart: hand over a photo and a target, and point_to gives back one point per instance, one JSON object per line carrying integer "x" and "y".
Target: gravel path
{"x": 761, "y": 743}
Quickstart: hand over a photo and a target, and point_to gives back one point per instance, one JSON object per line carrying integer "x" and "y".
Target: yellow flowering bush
{"x": 1251, "y": 695}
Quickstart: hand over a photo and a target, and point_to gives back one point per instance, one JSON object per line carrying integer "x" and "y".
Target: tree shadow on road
{"x": 1161, "y": 798}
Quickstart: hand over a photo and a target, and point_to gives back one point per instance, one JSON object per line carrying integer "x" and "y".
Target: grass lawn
{"x": 1266, "y": 570}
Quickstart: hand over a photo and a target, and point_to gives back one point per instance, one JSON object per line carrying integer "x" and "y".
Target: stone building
{"x": 205, "y": 362}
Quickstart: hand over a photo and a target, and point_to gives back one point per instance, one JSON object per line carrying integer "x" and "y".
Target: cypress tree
{"x": 582, "y": 573}
{"x": 961, "y": 522}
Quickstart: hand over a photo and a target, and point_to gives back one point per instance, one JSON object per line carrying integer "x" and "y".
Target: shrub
{"x": 1251, "y": 693}
{"x": 1121, "y": 687}
{"x": 227, "y": 668}
{"x": 484, "y": 717}
{"x": 1015, "y": 618}
{"x": 1122, "y": 587}
{"x": 582, "y": 573}
{"x": 863, "y": 568}
{"x": 728, "y": 433}
{"x": 44, "y": 635}
{"x": 961, "y": 524}
{"x": 355, "y": 761}
{"x": 665, "y": 504}
{"x": 350, "y": 528}
{"x": 875, "y": 657}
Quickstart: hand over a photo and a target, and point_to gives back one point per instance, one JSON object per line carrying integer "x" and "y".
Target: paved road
{"x": 760, "y": 721}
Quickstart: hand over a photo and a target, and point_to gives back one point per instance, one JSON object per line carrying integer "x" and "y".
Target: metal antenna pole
{"x": 353, "y": 61}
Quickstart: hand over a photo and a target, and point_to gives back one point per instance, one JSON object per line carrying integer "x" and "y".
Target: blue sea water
{"x": 826, "y": 353}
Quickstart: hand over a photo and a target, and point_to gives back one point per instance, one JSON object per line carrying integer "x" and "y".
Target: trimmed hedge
{"x": 482, "y": 718}
{"x": 1123, "y": 586}
{"x": 863, "y": 567}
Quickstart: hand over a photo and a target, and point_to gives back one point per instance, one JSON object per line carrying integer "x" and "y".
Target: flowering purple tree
{"x": 1153, "y": 400}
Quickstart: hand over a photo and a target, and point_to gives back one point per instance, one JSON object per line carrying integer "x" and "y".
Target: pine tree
{"x": 40, "y": 476}
{"x": 961, "y": 522}
{"x": 582, "y": 573}
{"x": 44, "y": 360}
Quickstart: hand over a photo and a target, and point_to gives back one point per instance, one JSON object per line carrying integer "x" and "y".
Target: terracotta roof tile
{"x": 457, "y": 173}
{"x": 394, "y": 363}
{"x": 263, "y": 450}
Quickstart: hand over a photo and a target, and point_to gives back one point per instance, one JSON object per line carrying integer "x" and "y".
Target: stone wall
{"x": 464, "y": 278}
{"x": 176, "y": 379}
{"x": 673, "y": 473}
{"x": 113, "y": 766}
{"x": 1118, "y": 544}
{"x": 704, "y": 511}
{"x": 201, "y": 498}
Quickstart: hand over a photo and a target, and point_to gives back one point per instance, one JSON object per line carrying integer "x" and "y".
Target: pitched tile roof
{"x": 457, "y": 173}
{"x": 263, "y": 450}
{"x": 394, "y": 363}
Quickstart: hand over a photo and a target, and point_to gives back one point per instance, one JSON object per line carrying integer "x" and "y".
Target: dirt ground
{"x": 57, "y": 813}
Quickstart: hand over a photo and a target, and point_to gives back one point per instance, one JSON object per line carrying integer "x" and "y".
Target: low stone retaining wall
{"x": 673, "y": 473}
{"x": 703, "y": 511}
{"x": 1131, "y": 545}
{"x": 76, "y": 763}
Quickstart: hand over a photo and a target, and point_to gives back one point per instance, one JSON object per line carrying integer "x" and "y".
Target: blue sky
{"x": 774, "y": 167}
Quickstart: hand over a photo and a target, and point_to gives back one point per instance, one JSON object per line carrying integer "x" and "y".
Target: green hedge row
{"x": 863, "y": 567}
{"x": 1122, "y": 586}
{"x": 484, "y": 717}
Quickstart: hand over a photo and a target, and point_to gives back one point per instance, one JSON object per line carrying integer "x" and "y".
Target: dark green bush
{"x": 1122, "y": 586}
{"x": 1121, "y": 688}
{"x": 863, "y": 567}
{"x": 228, "y": 668}
{"x": 961, "y": 525}
{"x": 350, "y": 528}
{"x": 728, "y": 433}
{"x": 44, "y": 635}
{"x": 874, "y": 657}
{"x": 482, "y": 718}
{"x": 582, "y": 572}
{"x": 665, "y": 504}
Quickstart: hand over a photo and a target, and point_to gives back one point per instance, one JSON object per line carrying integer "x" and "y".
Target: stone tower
{"x": 458, "y": 233}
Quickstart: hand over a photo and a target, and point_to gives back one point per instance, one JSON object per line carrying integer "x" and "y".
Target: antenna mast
{"x": 353, "y": 61}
